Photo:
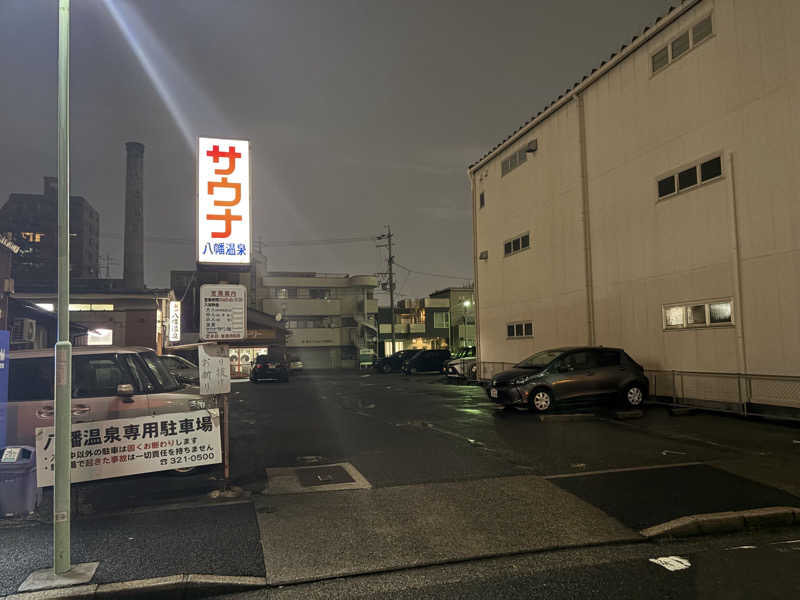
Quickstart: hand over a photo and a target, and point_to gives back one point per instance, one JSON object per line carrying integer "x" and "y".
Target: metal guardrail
{"x": 487, "y": 370}
{"x": 739, "y": 393}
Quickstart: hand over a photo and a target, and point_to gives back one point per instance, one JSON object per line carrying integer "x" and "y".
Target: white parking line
{"x": 623, "y": 470}
{"x": 672, "y": 563}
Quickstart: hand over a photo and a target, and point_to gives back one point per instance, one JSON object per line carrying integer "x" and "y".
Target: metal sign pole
{"x": 63, "y": 350}
{"x": 227, "y": 439}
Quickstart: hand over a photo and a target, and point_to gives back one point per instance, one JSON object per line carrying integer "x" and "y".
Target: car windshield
{"x": 539, "y": 360}
{"x": 162, "y": 379}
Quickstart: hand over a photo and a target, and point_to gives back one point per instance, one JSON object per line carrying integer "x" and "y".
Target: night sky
{"x": 360, "y": 113}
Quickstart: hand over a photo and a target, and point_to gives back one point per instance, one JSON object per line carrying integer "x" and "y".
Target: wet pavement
{"x": 446, "y": 476}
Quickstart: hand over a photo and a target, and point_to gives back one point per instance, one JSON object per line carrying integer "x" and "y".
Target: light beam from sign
{"x": 180, "y": 94}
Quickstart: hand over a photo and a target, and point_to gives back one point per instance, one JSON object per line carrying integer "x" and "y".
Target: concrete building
{"x": 419, "y": 323}
{"x": 653, "y": 205}
{"x": 331, "y": 316}
{"x": 462, "y": 316}
{"x": 30, "y": 221}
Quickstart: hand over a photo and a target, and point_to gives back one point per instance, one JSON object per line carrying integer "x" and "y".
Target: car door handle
{"x": 80, "y": 409}
{"x": 45, "y": 413}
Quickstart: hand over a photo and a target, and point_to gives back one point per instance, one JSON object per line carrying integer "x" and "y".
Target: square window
{"x": 696, "y": 314}
{"x": 529, "y": 329}
{"x": 711, "y": 169}
{"x": 505, "y": 168}
{"x": 702, "y": 30}
{"x": 482, "y": 200}
{"x": 680, "y": 45}
{"x": 674, "y": 316}
{"x": 510, "y": 330}
{"x": 518, "y": 330}
{"x": 512, "y": 161}
{"x": 516, "y": 243}
{"x": 687, "y": 178}
{"x": 666, "y": 186}
{"x": 660, "y": 59}
{"x": 526, "y": 240}
{"x": 521, "y": 156}
{"x": 507, "y": 248}
{"x": 720, "y": 312}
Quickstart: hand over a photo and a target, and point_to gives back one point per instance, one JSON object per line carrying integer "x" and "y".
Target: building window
{"x": 702, "y": 30}
{"x": 698, "y": 314}
{"x": 660, "y": 59}
{"x": 512, "y": 161}
{"x": 710, "y": 170}
{"x": 320, "y": 293}
{"x": 519, "y": 330}
{"x": 441, "y": 320}
{"x": 518, "y": 244}
{"x": 482, "y": 200}
{"x": 687, "y": 178}
{"x": 666, "y": 186}
{"x": 682, "y": 44}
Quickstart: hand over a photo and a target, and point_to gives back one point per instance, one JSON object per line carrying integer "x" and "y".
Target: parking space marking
{"x": 672, "y": 563}
{"x": 624, "y": 469}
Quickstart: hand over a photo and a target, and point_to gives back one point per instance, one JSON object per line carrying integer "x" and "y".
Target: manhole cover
{"x": 323, "y": 476}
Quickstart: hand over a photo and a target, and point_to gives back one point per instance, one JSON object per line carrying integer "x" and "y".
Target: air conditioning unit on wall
{"x": 23, "y": 330}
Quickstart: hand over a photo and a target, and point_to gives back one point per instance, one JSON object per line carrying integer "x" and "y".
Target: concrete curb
{"x": 566, "y": 417}
{"x": 725, "y": 522}
{"x": 174, "y": 586}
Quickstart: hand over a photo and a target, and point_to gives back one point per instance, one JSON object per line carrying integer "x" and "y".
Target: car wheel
{"x": 386, "y": 368}
{"x": 540, "y": 400}
{"x": 633, "y": 396}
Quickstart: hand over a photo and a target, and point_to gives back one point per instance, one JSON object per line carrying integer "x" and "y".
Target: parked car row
{"x": 412, "y": 362}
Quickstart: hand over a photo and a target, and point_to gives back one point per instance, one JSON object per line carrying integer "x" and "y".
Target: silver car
{"x": 108, "y": 382}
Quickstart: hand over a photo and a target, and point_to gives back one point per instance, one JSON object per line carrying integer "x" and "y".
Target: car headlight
{"x": 523, "y": 380}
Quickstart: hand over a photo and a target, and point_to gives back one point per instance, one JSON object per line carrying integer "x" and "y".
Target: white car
{"x": 461, "y": 366}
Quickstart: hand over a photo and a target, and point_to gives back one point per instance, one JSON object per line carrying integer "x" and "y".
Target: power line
{"x": 433, "y": 274}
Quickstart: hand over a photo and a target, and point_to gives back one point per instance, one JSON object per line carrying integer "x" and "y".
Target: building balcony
{"x": 416, "y": 328}
{"x": 302, "y": 306}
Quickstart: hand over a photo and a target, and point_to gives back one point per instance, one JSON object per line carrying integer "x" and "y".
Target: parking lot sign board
{"x": 119, "y": 447}
{"x": 223, "y": 312}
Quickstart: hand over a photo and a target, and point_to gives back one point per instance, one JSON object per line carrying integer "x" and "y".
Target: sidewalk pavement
{"x": 324, "y": 535}
{"x": 210, "y": 540}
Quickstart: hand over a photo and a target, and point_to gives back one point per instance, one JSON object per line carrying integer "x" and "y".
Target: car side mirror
{"x": 126, "y": 391}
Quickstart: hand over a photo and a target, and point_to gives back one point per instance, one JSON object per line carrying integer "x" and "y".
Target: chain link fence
{"x": 767, "y": 395}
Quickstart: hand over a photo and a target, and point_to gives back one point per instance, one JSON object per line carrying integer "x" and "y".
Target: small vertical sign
{"x": 5, "y": 347}
{"x": 175, "y": 321}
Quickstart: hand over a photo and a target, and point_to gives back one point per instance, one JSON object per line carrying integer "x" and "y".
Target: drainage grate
{"x": 323, "y": 476}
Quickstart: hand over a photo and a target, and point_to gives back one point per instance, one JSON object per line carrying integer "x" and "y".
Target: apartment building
{"x": 422, "y": 323}
{"x": 653, "y": 205}
{"x": 330, "y": 316}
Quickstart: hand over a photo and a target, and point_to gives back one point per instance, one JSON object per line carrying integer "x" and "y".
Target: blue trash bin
{"x": 18, "y": 492}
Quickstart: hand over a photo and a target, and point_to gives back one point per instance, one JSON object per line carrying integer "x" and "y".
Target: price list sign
{"x": 223, "y": 312}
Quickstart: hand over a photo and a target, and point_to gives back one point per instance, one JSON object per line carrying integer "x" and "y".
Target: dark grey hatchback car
{"x": 571, "y": 376}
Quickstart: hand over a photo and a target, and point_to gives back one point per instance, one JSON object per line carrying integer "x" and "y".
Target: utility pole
{"x": 388, "y": 237}
{"x": 63, "y": 350}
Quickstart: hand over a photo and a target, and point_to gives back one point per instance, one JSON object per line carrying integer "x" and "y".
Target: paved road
{"x": 400, "y": 430}
{"x": 731, "y": 568}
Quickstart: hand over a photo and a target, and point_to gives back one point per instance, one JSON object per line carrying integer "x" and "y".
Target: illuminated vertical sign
{"x": 175, "y": 321}
{"x": 223, "y": 202}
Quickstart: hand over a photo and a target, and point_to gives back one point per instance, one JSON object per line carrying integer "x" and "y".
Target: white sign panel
{"x": 104, "y": 449}
{"x": 223, "y": 312}
{"x": 223, "y": 201}
{"x": 175, "y": 321}
{"x": 215, "y": 369}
